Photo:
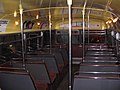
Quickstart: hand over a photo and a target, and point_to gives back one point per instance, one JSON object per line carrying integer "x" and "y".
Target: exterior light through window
{"x": 15, "y": 14}
{"x": 37, "y": 16}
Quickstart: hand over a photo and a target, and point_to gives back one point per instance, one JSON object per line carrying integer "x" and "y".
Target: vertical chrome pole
{"x": 83, "y": 13}
{"x": 25, "y": 43}
{"x": 29, "y": 43}
{"x": 22, "y": 32}
{"x": 70, "y": 44}
{"x": 116, "y": 44}
{"x": 89, "y": 23}
{"x": 88, "y": 26}
{"x": 112, "y": 38}
{"x": 50, "y": 28}
{"x": 38, "y": 42}
{"x": 63, "y": 22}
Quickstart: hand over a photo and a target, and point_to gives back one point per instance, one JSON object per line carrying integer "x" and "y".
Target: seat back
{"x": 37, "y": 69}
{"x": 48, "y": 59}
{"x": 100, "y": 68}
{"x": 58, "y": 57}
{"x": 64, "y": 54}
{"x": 16, "y": 81}
{"x": 96, "y": 84}
{"x": 39, "y": 72}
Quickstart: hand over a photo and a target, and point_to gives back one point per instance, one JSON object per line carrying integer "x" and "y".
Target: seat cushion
{"x": 41, "y": 86}
{"x": 52, "y": 76}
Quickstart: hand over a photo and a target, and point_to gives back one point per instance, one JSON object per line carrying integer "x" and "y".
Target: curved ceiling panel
{"x": 10, "y": 5}
{"x": 99, "y": 8}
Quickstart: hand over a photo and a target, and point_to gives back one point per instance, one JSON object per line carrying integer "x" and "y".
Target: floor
{"x": 64, "y": 84}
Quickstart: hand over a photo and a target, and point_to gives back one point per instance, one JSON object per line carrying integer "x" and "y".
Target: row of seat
{"x": 99, "y": 70}
{"x": 45, "y": 69}
{"x": 15, "y": 79}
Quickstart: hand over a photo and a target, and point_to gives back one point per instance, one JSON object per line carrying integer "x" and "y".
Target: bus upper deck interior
{"x": 59, "y": 44}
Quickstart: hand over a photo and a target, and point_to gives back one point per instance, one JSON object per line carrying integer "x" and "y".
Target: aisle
{"x": 64, "y": 84}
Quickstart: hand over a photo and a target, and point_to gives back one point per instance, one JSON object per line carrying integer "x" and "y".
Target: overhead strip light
{"x": 69, "y": 2}
{"x": 115, "y": 20}
{"x": 109, "y": 21}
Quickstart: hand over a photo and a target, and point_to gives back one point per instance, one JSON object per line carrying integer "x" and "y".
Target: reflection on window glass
{"x": 97, "y": 39}
{"x": 75, "y": 39}
{"x": 64, "y": 39}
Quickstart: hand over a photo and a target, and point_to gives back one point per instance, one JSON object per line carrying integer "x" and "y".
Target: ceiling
{"x": 9, "y": 6}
